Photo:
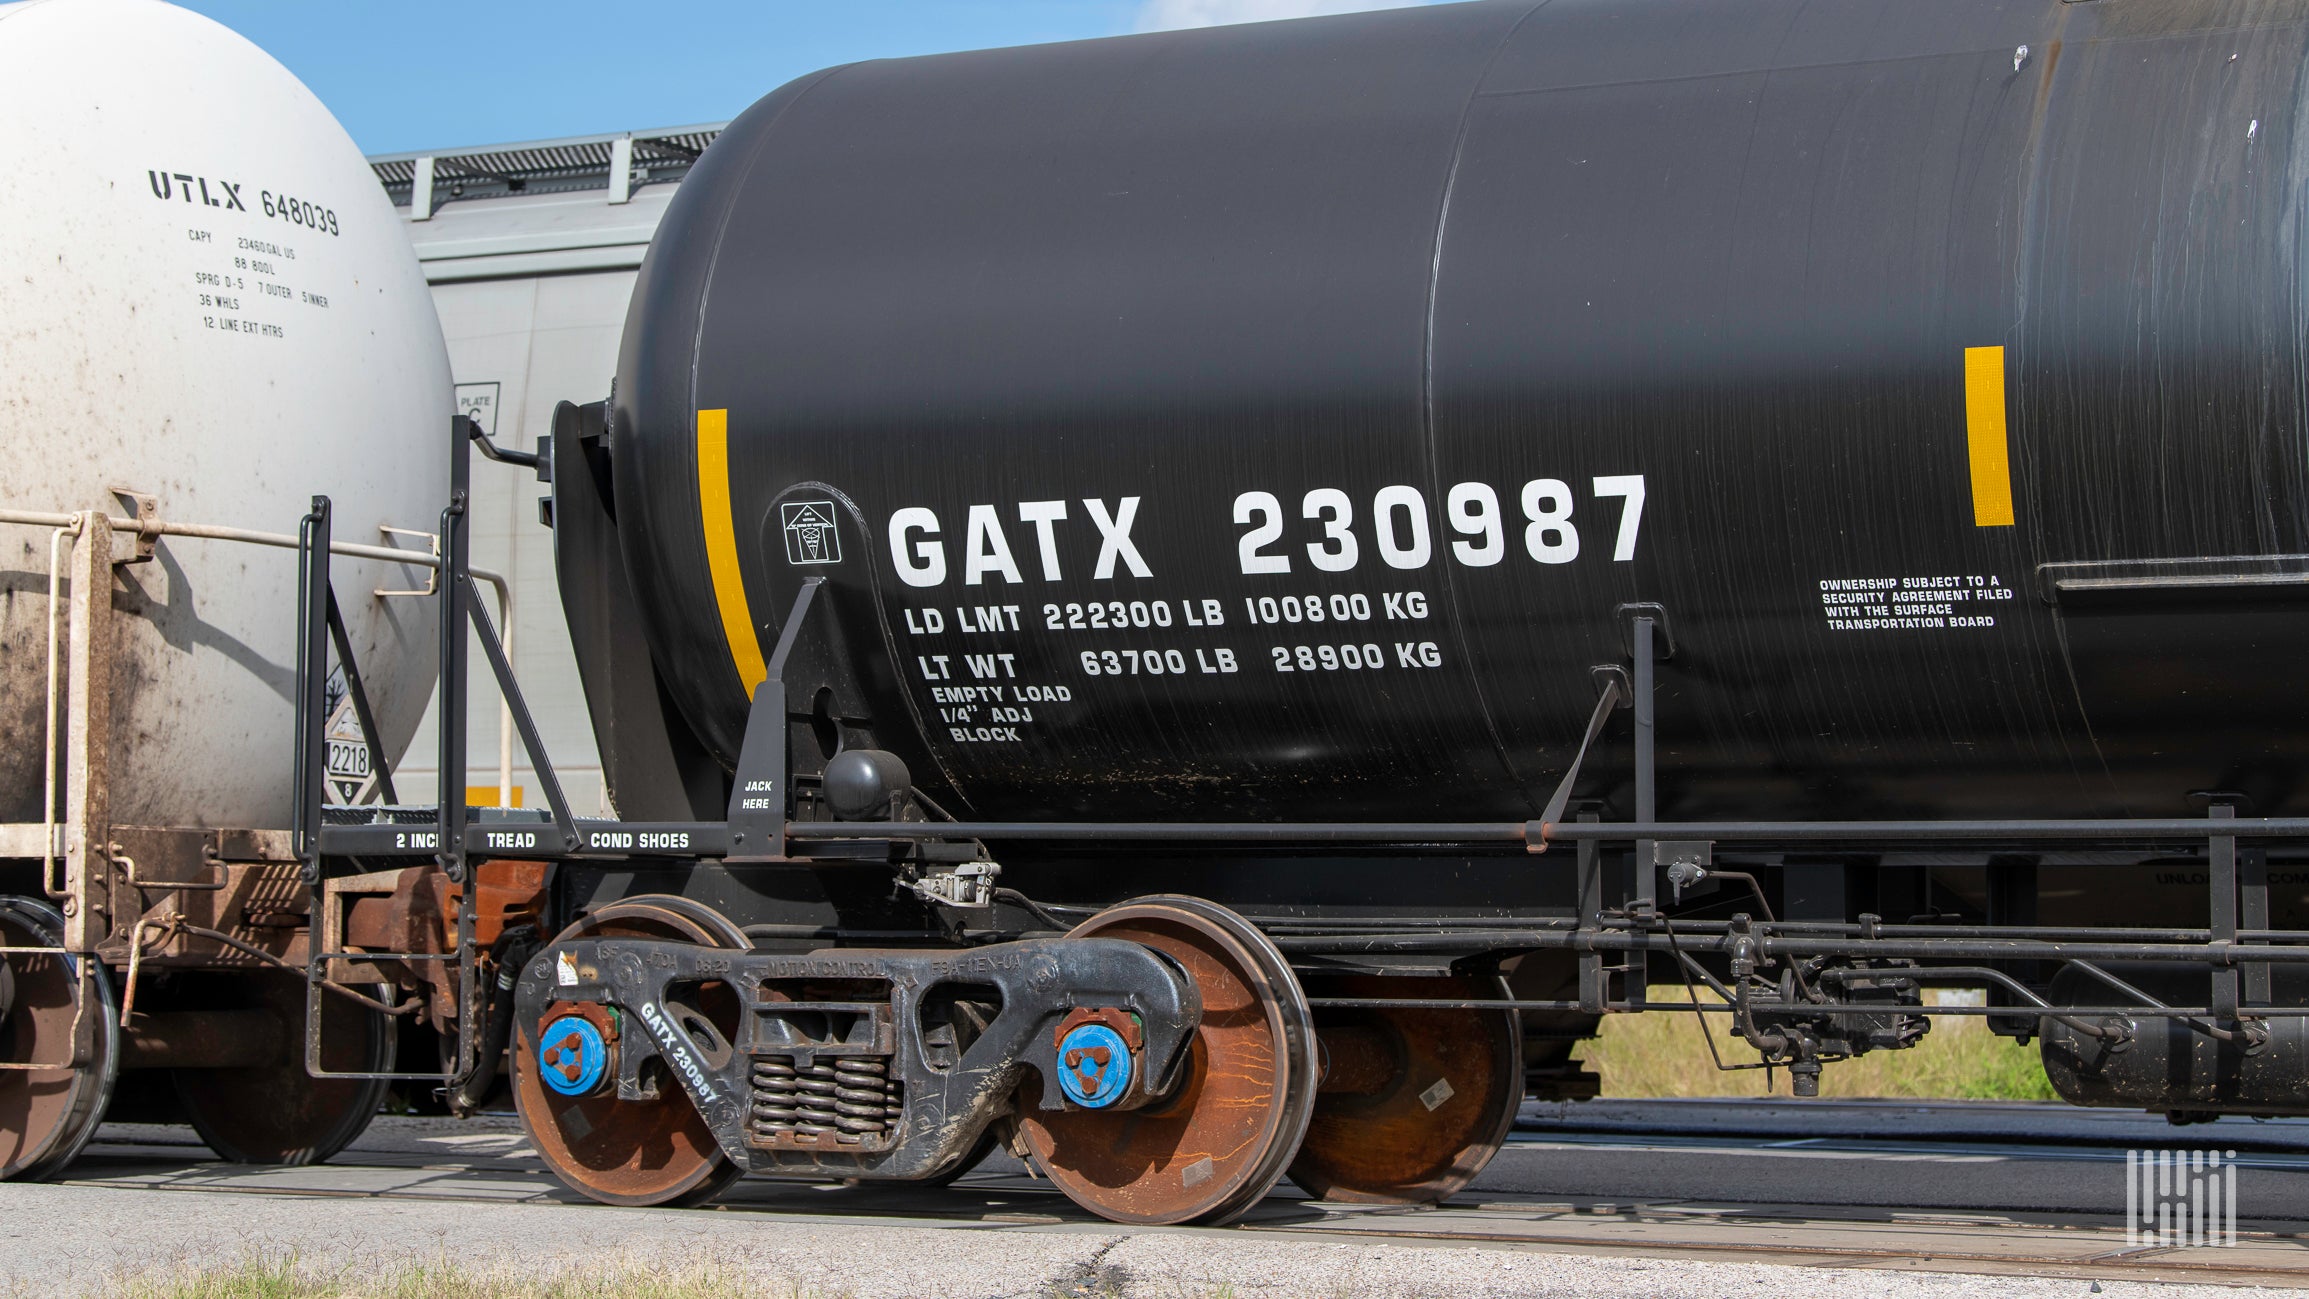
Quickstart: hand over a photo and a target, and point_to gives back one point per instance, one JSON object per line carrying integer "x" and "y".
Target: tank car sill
{"x": 373, "y": 834}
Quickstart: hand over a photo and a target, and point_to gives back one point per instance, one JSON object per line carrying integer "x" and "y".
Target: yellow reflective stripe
{"x": 722, "y": 547}
{"x": 1984, "y": 432}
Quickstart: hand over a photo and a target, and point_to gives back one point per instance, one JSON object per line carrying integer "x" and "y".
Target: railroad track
{"x": 1992, "y": 1189}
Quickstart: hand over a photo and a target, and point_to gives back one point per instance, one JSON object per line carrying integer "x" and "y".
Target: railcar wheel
{"x": 1220, "y": 1140}
{"x": 278, "y": 1113}
{"x": 48, "y": 1115}
{"x": 1414, "y": 1102}
{"x": 633, "y": 1153}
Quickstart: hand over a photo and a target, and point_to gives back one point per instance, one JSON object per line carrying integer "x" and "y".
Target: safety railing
{"x": 146, "y": 530}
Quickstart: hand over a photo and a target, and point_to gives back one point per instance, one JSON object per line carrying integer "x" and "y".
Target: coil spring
{"x": 847, "y": 1097}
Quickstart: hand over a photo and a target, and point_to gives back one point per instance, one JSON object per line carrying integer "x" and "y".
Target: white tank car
{"x": 207, "y": 298}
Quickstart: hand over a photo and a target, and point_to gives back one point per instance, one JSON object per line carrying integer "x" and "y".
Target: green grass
{"x": 1662, "y": 1054}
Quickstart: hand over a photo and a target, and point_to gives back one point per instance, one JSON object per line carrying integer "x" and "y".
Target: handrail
{"x": 282, "y": 541}
{"x": 1536, "y": 834}
{"x": 49, "y": 884}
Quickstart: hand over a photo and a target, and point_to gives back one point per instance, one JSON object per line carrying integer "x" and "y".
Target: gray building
{"x": 531, "y": 251}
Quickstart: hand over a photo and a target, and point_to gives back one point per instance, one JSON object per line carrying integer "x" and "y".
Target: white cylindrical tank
{"x": 207, "y": 297}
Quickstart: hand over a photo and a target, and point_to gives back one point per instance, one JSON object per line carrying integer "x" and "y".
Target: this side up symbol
{"x": 811, "y": 536}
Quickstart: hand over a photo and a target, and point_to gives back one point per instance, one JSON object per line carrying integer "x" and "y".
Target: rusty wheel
{"x": 277, "y": 1112}
{"x": 1413, "y": 1103}
{"x": 630, "y": 1152}
{"x": 1220, "y": 1139}
{"x": 47, "y": 1115}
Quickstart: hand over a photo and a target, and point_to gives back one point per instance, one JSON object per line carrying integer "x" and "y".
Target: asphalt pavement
{"x": 1606, "y": 1198}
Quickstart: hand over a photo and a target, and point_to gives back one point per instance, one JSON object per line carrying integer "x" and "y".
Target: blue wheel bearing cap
{"x": 571, "y": 1056}
{"x": 1093, "y": 1066}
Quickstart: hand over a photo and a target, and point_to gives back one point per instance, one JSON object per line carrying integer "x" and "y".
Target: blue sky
{"x": 422, "y": 74}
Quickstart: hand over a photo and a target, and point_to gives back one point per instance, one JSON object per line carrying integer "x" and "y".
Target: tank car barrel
{"x": 1417, "y": 481}
{"x": 228, "y": 341}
